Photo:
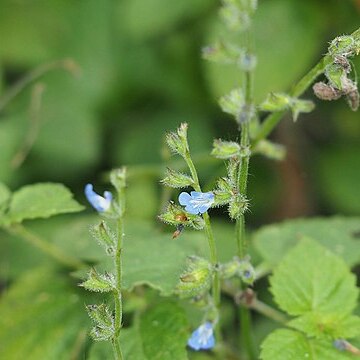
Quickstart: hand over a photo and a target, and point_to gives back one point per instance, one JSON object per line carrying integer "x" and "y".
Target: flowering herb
{"x": 203, "y": 337}
{"x": 196, "y": 202}
{"x": 99, "y": 203}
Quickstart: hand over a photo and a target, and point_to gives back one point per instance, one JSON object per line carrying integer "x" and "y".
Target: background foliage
{"x": 139, "y": 73}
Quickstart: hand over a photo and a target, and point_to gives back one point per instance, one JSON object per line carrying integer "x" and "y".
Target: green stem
{"x": 216, "y": 291}
{"x": 268, "y": 311}
{"x": 118, "y": 271}
{"x": 273, "y": 119}
{"x": 45, "y": 246}
{"x": 246, "y": 334}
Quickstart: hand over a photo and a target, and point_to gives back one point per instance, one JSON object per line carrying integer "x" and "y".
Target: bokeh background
{"x": 139, "y": 73}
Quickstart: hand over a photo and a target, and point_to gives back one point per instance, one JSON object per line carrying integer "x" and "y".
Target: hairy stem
{"x": 211, "y": 241}
{"x": 46, "y": 247}
{"x": 118, "y": 272}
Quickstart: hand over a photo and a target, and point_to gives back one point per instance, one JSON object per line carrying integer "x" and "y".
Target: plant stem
{"x": 268, "y": 311}
{"x": 118, "y": 279}
{"x": 66, "y": 64}
{"x": 216, "y": 294}
{"x": 245, "y": 316}
{"x": 45, "y": 246}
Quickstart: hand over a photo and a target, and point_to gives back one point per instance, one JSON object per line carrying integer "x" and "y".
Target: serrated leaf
{"x": 164, "y": 332}
{"x": 336, "y": 233}
{"x": 311, "y": 278}
{"x": 41, "y": 201}
{"x": 42, "y": 317}
{"x": 320, "y": 325}
{"x": 284, "y": 344}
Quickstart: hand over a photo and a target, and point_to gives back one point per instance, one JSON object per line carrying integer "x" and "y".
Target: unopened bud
{"x": 176, "y": 179}
{"x": 233, "y": 102}
{"x": 225, "y": 149}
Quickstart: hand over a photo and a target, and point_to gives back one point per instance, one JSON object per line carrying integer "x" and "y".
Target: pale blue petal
{"x": 202, "y": 338}
{"x": 99, "y": 203}
{"x": 191, "y": 209}
{"x": 203, "y": 208}
{"x": 196, "y": 195}
{"x": 184, "y": 198}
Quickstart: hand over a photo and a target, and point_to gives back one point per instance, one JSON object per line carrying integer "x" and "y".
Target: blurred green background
{"x": 140, "y": 73}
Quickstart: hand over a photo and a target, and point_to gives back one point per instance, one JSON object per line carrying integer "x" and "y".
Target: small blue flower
{"x": 196, "y": 202}
{"x": 100, "y": 203}
{"x": 203, "y": 337}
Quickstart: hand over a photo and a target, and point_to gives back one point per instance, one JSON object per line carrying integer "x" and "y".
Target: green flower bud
{"x": 270, "y": 150}
{"x": 342, "y": 46}
{"x": 229, "y": 269}
{"x": 246, "y": 271}
{"x": 177, "y": 142}
{"x": 104, "y": 236}
{"x": 222, "y": 52}
{"x": 225, "y": 149}
{"x": 176, "y": 179}
{"x": 301, "y": 106}
{"x": 118, "y": 178}
{"x": 101, "y": 334}
{"x": 233, "y": 103}
{"x": 275, "y": 102}
{"x": 224, "y": 192}
{"x": 247, "y": 62}
{"x": 176, "y": 215}
{"x": 101, "y": 315}
{"x": 99, "y": 283}
{"x": 335, "y": 75}
{"x": 197, "y": 278}
{"x": 238, "y": 206}
{"x": 233, "y": 17}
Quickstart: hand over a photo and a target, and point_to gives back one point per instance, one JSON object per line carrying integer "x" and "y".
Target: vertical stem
{"x": 216, "y": 291}
{"x": 118, "y": 271}
{"x": 245, "y": 316}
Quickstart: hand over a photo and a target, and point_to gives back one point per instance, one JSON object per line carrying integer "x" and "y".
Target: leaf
{"x": 41, "y": 201}
{"x": 313, "y": 282}
{"x": 336, "y": 233}
{"x": 284, "y": 344}
{"x": 164, "y": 332}
{"x": 4, "y": 196}
{"x": 42, "y": 316}
{"x": 159, "y": 334}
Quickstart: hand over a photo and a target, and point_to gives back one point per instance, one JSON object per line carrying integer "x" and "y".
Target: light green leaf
{"x": 41, "y": 201}
{"x": 311, "y": 278}
{"x": 42, "y": 317}
{"x": 286, "y": 344}
{"x": 336, "y": 233}
{"x": 164, "y": 332}
{"x": 335, "y": 326}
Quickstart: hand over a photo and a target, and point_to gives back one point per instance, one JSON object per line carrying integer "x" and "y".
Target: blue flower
{"x": 196, "y": 202}
{"x": 100, "y": 203}
{"x": 203, "y": 337}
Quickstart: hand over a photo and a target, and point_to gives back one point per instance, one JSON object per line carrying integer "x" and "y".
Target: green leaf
{"x": 159, "y": 334}
{"x": 313, "y": 282}
{"x": 164, "y": 332}
{"x": 334, "y": 325}
{"x": 284, "y": 344}
{"x": 4, "y": 196}
{"x": 336, "y": 233}
{"x": 42, "y": 317}
{"x": 312, "y": 278}
{"x": 41, "y": 201}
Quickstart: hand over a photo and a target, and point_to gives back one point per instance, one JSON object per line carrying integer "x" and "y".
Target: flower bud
{"x": 237, "y": 206}
{"x": 177, "y": 142}
{"x": 224, "y": 192}
{"x": 175, "y": 215}
{"x": 176, "y": 179}
{"x": 104, "y": 236}
{"x": 101, "y": 315}
{"x": 225, "y": 149}
{"x": 118, "y": 178}
{"x": 335, "y": 74}
{"x": 342, "y": 45}
{"x": 270, "y": 150}
{"x": 233, "y": 102}
{"x": 197, "y": 278}
{"x": 275, "y": 102}
{"x": 247, "y": 62}
{"x": 99, "y": 283}
{"x": 222, "y": 52}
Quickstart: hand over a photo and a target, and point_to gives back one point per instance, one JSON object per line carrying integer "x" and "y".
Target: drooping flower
{"x": 100, "y": 203}
{"x": 196, "y": 202}
{"x": 203, "y": 337}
